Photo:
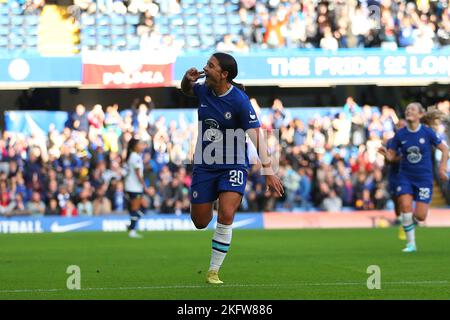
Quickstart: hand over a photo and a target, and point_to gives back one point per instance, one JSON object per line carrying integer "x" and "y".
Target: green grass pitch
{"x": 269, "y": 265}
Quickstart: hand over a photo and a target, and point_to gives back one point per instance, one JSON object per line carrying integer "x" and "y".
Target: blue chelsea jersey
{"x": 417, "y": 151}
{"x": 223, "y": 121}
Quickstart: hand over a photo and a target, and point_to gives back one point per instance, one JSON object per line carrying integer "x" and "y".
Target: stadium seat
{"x": 3, "y": 41}
{"x": 132, "y": 19}
{"x": 32, "y": 30}
{"x": 133, "y": 42}
{"x": 102, "y": 20}
{"x": 90, "y": 41}
{"x": 18, "y": 30}
{"x": 4, "y": 31}
{"x": 220, "y": 20}
{"x": 220, "y": 30}
{"x": 103, "y": 31}
{"x": 4, "y": 21}
{"x": 118, "y": 20}
{"x": 234, "y": 19}
{"x": 17, "y": 20}
{"x": 16, "y": 10}
{"x": 193, "y": 42}
{"x": 205, "y": 11}
{"x": 4, "y": 10}
{"x": 117, "y": 30}
{"x": 164, "y": 29}
{"x": 87, "y": 20}
{"x": 208, "y": 41}
{"x": 104, "y": 41}
{"x": 32, "y": 20}
{"x": 191, "y": 30}
{"x": 31, "y": 41}
{"x": 191, "y": 21}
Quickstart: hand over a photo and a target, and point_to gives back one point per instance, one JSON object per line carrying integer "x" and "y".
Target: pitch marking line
{"x": 227, "y": 286}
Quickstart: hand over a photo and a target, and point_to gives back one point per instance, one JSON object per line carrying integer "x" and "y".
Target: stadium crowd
{"x": 329, "y": 25}
{"x": 326, "y": 163}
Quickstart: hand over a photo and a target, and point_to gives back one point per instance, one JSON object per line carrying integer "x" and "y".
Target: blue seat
{"x": 87, "y": 20}
{"x": 18, "y": 30}
{"x": 4, "y": 20}
{"x": 234, "y": 19}
{"x": 193, "y": 42}
{"x": 191, "y": 30}
{"x": 220, "y": 20}
{"x": 235, "y": 29}
{"x": 133, "y": 42}
{"x": 164, "y": 29}
{"x": 89, "y": 31}
{"x": 89, "y": 41}
{"x": 4, "y": 9}
{"x": 208, "y": 41}
{"x": 4, "y": 31}
{"x": 117, "y": 30}
{"x": 104, "y": 41}
{"x": 33, "y": 30}
{"x": 32, "y": 20}
{"x": 119, "y": 42}
{"x": 220, "y": 30}
{"x": 102, "y": 20}
{"x": 103, "y": 31}
{"x": 3, "y": 41}
{"x": 194, "y": 21}
{"x": 31, "y": 41}
{"x": 118, "y": 20}
{"x": 17, "y": 41}
{"x": 205, "y": 10}
{"x": 130, "y": 30}
{"x": 16, "y": 11}
{"x": 132, "y": 19}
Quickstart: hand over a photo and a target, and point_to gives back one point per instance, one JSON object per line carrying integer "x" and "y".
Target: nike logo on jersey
{"x": 403, "y": 142}
{"x": 203, "y": 105}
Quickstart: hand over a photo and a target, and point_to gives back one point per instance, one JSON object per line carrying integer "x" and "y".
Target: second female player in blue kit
{"x": 220, "y": 160}
{"x": 415, "y": 177}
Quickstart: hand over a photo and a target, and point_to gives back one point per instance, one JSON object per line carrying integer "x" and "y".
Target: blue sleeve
{"x": 434, "y": 137}
{"x": 393, "y": 144}
{"x": 247, "y": 115}
{"x": 197, "y": 88}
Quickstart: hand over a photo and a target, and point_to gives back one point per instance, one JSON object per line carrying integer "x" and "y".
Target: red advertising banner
{"x": 125, "y": 70}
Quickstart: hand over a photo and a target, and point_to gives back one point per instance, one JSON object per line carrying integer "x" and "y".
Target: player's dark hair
{"x": 130, "y": 148}
{"x": 229, "y": 64}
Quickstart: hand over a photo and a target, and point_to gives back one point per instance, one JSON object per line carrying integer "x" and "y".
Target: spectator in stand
{"x": 35, "y": 207}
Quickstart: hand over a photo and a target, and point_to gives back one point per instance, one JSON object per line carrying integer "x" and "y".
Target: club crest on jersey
{"x": 227, "y": 115}
{"x": 414, "y": 155}
{"x": 195, "y": 194}
{"x": 422, "y": 140}
{"x": 213, "y": 133}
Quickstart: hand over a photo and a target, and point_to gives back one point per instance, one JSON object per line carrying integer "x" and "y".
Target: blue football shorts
{"x": 207, "y": 184}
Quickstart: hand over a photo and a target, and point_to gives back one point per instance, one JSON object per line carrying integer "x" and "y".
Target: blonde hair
{"x": 433, "y": 118}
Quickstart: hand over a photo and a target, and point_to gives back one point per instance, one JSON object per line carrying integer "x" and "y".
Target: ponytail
{"x": 131, "y": 144}
{"x": 433, "y": 118}
{"x": 238, "y": 85}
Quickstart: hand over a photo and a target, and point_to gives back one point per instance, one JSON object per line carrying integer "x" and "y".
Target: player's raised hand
{"x": 193, "y": 74}
{"x": 274, "y": 183}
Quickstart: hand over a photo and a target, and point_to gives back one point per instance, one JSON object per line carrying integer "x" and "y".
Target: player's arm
{"x": 390, "y": 157}
{"x": 444, "y": 159}
{"x": 257, "y": 137}
{"x": 189, "y": 79}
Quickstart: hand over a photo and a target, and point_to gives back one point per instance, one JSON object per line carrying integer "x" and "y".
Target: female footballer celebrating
{"x": 134, "y": 183}
{"x": 221, "y": 161}
{"x": 415, "y": 178}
